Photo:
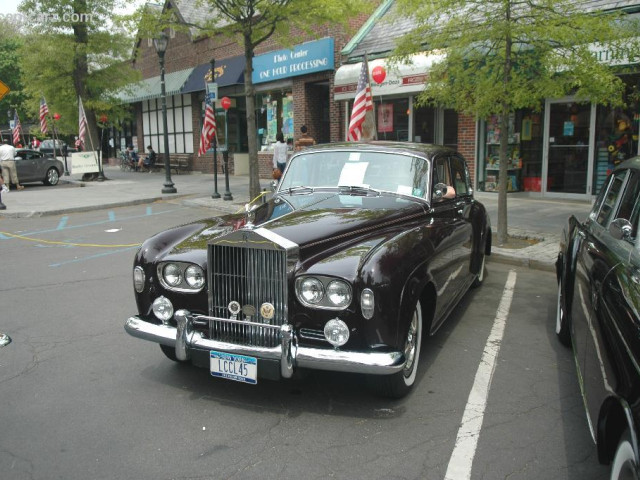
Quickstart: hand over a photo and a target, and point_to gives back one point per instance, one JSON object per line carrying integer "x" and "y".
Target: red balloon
{"x": 103, "y": 118}
{"x": 379, "y": 74}
{"x": 225, "y": 102}
{"x": 56, "y": 116}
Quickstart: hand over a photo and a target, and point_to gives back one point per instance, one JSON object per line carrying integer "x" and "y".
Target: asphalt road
{"x": 80, "y": 399}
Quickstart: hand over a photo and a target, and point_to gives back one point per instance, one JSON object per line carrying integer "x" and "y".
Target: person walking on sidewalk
{"x": 8, "y": 164}
{"x": 280, "y": 153}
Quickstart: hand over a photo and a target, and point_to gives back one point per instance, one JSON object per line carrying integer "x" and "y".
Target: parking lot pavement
{"x": 540, "y": 220}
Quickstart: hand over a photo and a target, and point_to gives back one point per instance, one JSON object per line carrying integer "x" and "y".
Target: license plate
{"x": 234, "y": 367}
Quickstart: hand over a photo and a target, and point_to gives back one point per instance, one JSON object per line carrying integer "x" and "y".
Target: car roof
{"x": 426, "y": 150}
{"x": 633, "y": 163}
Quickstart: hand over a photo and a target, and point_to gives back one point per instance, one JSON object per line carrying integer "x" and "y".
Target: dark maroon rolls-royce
{"x": 363, "y": 248}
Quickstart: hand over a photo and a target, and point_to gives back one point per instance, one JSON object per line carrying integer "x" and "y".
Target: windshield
{"x": 388, "y": 172}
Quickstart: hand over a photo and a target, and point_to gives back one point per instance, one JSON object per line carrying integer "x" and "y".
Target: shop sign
{"x": 310, "y": 57}
{"x": 615, "y": 56}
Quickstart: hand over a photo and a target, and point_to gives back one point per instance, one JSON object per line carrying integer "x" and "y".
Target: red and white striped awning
{"x": 400, "y": 78}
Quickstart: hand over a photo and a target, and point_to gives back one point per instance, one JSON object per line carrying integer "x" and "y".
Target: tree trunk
{"x": 254, "y": 170}
{"x": 504, "y": 139}
{"x": 81, "y": 72}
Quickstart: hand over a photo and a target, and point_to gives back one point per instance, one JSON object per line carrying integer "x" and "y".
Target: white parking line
{"x": 467, "y": 440}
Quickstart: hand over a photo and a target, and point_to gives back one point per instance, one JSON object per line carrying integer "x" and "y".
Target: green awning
{"x": 150, "y": 87}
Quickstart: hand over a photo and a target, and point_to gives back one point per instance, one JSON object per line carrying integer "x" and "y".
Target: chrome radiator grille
{"x": 251, "y": 277}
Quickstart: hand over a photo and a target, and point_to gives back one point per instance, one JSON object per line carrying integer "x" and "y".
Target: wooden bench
{"x": 179, "y": 165}
{"x": 176, "y": 164}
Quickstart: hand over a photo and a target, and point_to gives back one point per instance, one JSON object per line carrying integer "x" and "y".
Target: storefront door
{"x": 568, "y": 148}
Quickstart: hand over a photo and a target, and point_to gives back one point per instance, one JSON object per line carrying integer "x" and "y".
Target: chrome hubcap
{"x": 410, "y": 345}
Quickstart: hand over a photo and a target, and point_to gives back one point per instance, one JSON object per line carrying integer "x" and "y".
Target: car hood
{"x": 310, "y": 220}
{"x": 307, "y": 220}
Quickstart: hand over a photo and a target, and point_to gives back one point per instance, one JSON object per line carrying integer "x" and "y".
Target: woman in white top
{"x": 280, "y": 153}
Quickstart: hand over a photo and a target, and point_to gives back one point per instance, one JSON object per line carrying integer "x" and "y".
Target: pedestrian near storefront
{"x": 280, "y": 153}
{"x": 305, "y": 139}
{"x": 8, "y": 164}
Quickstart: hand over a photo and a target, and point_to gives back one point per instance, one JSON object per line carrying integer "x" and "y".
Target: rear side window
{"x": 610, "y": 198}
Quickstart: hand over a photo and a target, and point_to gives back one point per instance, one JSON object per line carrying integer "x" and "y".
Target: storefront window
{"x": 616, "y": 134}
{"x": 274, "y": 114}
{"x": 392, "y": 119}
{"x": 524, "y": 153}
{"x": 179, "y": 124}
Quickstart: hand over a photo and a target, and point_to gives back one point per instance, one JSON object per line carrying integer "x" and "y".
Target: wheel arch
{"x": 615, "y": 417}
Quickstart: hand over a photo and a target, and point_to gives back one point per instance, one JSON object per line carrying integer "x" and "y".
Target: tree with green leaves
{"x": 10, "y": 70}
{"x": 253, "y": 22}
{"x": 73, "y": 48}
{"x": 506, "y": 55}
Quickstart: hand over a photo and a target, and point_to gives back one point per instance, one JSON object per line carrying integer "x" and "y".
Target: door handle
{"x": 582, "y": 234}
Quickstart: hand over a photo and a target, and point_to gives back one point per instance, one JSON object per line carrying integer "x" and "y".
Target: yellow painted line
{"x": 52, "y": 242}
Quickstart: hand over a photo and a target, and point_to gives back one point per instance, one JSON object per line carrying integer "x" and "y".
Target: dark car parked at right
{"x": 598, "y": 313}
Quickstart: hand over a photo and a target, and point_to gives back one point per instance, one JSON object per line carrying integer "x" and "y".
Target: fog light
{"x": 336, "y": 332}
{"x": 367, "y": 303}
{"x": 138, "y": 279}
{"x": 163, "y": 308}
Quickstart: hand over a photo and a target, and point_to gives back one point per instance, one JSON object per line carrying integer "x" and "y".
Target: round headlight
{"x": 172, "y": 274}
{"x": 311, "y": 290}
{"x": 194, "y": 276}
{"x": 138, "y": 279}
{"x": 336, "y": 332}
{"x": 339, "y": 293}
{"x": 163, "y": 308}
{"x": 367, "y": 303}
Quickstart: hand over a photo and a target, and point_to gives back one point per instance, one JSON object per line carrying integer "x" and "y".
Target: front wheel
{"x": 399, "y": 384}
{"x": 52, "y": 177}
{"x": 624, "y": 465}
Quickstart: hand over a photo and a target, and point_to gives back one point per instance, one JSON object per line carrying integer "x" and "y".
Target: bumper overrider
{"x": 186, "y": 339}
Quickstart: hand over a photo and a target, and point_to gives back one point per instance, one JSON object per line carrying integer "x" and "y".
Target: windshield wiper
{"x": 297, "y": 189}
{"x": 358, "y": 189}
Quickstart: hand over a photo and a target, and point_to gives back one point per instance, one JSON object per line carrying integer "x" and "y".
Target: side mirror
{"x": 439, "y": 191}
{"x": 621, "y": 229}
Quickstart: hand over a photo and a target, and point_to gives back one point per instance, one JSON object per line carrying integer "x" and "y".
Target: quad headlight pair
{"x": 323, "y": 292}
{"x": 181, "y": 276}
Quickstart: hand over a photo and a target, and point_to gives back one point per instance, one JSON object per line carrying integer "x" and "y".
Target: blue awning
{"x": 229, "y": 71}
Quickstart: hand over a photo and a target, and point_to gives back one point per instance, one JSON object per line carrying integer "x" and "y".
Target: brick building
{"x": 293, "y": 88}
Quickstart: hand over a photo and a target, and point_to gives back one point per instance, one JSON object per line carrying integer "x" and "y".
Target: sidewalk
{"x": 536, "y": 219}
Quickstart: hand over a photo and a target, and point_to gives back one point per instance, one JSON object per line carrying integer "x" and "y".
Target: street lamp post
{"x": 226, "y": 103}
{"x": 215, "y": 140}
{"x": 161, "y": 47}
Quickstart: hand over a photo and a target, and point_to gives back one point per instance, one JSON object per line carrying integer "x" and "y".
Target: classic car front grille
{"x": 251, "y": 277}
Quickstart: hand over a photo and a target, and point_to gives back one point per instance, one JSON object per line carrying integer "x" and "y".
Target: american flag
{"x": 44, "y": 111}
{"x": 17, "y": 129}
{"x": 82, "y": 122}
{"x": 208, "y": 130}
{"x": 361, "y": 124}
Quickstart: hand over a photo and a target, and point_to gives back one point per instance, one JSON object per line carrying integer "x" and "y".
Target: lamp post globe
{"x": 160, "y": 44}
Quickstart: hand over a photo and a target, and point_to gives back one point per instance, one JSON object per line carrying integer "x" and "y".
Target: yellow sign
{"x": 3, "y": 90}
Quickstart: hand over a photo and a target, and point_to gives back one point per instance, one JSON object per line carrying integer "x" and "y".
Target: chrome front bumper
{"x": 184, "y": 338}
